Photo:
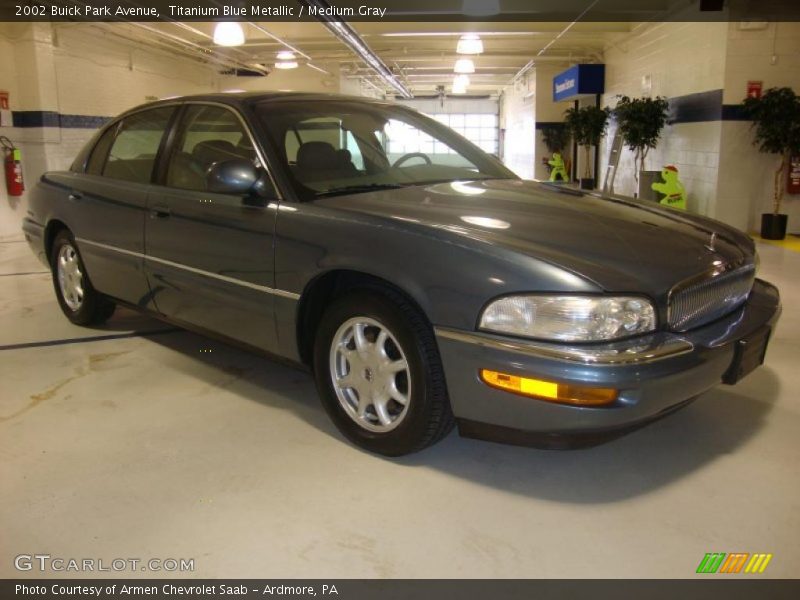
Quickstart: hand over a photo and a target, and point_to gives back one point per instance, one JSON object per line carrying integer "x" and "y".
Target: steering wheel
{"x": 411, "y": 155}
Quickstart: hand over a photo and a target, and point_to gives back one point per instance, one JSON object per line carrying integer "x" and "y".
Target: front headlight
{"x": 570, "y": 318}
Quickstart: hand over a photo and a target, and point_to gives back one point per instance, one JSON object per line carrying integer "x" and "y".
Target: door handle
{"x": 160, "y": 212}
{"x": 75, "y": 196}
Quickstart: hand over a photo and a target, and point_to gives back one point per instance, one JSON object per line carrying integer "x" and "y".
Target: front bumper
{"x": 656, "y": 374}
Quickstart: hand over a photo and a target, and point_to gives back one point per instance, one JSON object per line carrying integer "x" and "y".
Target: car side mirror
{"x": 237, "y": 176}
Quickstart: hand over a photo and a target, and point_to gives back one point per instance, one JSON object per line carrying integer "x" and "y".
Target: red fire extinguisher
{"x": 14, "y": 183}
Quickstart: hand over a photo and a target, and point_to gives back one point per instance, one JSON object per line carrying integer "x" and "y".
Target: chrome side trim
{"x": 112, "y": 248}
{"x": 608, "y": 355}
{"x": 225, "y": 278}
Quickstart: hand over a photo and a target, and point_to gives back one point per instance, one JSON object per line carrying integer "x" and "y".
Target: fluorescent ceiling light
{"x": 228, "y": 34}
{"x": 460, "y": 83}
{"x": 286, "y": 60}
{"x": 464, "y": 65}
{"x": 469, "y": 44}
{"x": 481, "y": 8}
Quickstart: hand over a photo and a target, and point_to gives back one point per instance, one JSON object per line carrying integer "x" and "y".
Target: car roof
{"x": 250, "y": 98}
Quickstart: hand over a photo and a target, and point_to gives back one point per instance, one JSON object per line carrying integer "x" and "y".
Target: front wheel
{"x": 79, "y": 301}
{"x": 379, "y": 374}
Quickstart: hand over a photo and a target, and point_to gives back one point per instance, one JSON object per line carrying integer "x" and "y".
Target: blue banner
{"x": 579, "y": 80}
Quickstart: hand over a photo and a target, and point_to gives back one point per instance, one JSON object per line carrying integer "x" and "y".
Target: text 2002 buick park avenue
{"x": 423, "y": 283}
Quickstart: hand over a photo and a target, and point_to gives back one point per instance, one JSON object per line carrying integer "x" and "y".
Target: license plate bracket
{"x": 747, "y": 356}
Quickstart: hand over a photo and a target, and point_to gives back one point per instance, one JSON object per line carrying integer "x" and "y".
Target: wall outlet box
{"x": 6, "y": 118}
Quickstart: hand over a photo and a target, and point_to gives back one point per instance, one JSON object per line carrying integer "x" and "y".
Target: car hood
{"x": 620, "y": 245}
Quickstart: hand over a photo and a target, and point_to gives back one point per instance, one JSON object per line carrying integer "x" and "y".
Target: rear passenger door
{"x": 109, "y": 203}
{"x": 210, "y": 258}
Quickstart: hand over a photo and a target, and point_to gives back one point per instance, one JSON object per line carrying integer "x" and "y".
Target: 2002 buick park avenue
{"x": 422, "y": 282}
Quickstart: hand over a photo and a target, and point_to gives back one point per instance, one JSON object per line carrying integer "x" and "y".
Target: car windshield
{"x": 335, "y": 147}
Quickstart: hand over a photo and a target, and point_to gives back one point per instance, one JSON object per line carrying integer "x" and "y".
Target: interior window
{"x": 408, "y": 145}
{"x": 100, "y": 152}
{"x": 134, "y": 150}
{"x": 208, "y": 134}
{"x": 329, "y": 131}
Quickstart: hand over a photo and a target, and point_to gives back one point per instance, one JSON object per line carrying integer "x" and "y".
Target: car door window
{"x": 208, "y": 134}
{"x": 133, "y": 153}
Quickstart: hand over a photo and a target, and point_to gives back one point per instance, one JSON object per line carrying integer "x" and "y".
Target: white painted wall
{"x": 771, "y": 55}
{"x": 517, "y": 121}
{"x": 671, "y": 59}
{"x": 82, "y": 69}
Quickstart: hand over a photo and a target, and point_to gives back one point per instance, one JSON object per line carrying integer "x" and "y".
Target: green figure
{"x": 558, "y": 170}
{"x": 674, "y": 194}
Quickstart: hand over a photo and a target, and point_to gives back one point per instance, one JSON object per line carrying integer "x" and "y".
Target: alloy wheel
{"x": 70, "y": 277}
{"x": 370, "y": 374}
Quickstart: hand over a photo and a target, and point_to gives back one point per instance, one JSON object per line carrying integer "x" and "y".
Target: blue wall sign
{"x": 579, "y": 80}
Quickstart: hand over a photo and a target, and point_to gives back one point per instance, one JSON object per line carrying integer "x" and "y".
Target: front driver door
{"x": 209, "y": 256}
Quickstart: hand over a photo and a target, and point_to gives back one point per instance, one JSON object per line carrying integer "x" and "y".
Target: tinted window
{"x": 100, "y": 152}
{"x": 133, "y": 153}
{"x": 209, "y": 134}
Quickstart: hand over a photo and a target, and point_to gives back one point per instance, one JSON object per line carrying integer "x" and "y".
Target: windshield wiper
{"x": 364, "y": 187}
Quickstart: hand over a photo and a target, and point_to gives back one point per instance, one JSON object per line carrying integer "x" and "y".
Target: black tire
{"x": 94, "y": 308}
{"x": 428, "y": 416}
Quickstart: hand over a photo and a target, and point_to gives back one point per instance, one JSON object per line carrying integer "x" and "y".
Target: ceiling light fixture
{"x": 228, "y": 34}
{"x": 469, "y": 44}
{"x": 460, "y": 84}
{"x": 464, "y": 65}
{"x": 286, "y": 60}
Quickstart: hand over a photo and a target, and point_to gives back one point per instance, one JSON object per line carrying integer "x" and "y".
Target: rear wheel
{"x": 79, "y": 301}
{"x": 379, "y": 374}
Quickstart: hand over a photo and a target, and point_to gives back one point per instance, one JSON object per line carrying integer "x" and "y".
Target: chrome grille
{"x": 699, "y": 302}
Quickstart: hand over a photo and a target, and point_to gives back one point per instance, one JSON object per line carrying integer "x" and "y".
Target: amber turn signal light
{"x": 563, "y": 393}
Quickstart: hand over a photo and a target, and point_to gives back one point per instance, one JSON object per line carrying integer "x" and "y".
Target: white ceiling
{"x": 421, "y": 54}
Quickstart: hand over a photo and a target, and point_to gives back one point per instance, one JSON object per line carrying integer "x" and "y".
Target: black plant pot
{"x": 587, "y": 184}
{"x": 773, "y": 227}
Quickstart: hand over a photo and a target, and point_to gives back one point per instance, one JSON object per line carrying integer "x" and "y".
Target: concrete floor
{"x": 171, "y": 445}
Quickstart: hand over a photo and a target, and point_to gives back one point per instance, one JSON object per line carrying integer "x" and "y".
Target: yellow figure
{"x": 674, "y": 194}
{"x": 558, "y": 168}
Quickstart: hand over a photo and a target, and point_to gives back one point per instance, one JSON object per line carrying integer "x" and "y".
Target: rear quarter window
{"x": 97, "y": 158}
{"x": 135, "y": 146}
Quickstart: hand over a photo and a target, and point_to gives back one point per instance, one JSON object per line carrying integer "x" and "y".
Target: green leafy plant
{"x": 587, "y": 126}
{"x": 640, "y": 121}
{"x": 776, "y": 119}
{"x": 555, "y": 137}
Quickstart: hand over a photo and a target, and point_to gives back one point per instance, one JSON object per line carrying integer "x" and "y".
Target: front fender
{"x": 449, "y": 274}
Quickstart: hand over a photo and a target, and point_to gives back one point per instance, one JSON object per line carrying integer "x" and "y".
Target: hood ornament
{"x": 710, "y": 245}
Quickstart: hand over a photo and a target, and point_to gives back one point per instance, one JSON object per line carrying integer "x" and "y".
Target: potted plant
{"x": 639, "y": 122}
{"x": 588, "y": 126}
{"x": 776, "y": 119}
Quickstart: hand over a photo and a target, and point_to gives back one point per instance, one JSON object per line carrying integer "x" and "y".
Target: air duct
{"x": 347, "y": 35}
